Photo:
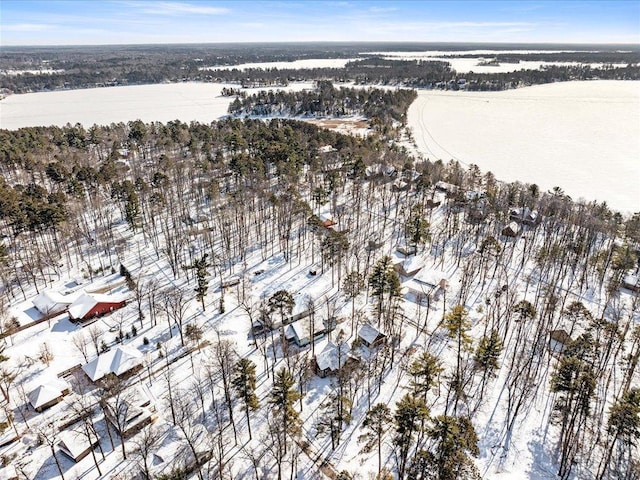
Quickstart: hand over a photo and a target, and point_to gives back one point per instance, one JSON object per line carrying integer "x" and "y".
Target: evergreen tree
{"x": 281, "y": 302}
{"x": 457, "y": 324}
{"x": 282, "y": 398}
{"x": 409, "y": 417}
{"x": 416, "y": 229}
{"x": 384, "y": 282}
{"x": 244, "y": 383}
{"x": 200, "y": 266}
{"x": 376, "y": 423}
{"x": 488, "y": 351}
{"x": 424, "y": 372}
{"x": 455, "y": 442}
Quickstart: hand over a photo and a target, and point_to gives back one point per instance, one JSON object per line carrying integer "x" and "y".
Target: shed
{"x": 135, "y": 419}
{"x": 118, "y": 361}
{"x": 75, "y": 444}
{"x": 558, "y": 340}
{"x": 511, "y": 230}
{"x": 94, "y": 305}
{"x": 631, "y": 282}
{"x": 331, "y": 359}
{"x": 370, "y": 336}
{"x": 48, "y": 393}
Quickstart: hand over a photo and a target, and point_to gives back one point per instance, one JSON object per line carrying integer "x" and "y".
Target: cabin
{"x": 435, "y": 200}
{"x": 231, "y": 281}
{"x": 512, "y": 230}
{"x": 525, "y": 216}
{"x": 48, "y": 393}
{"x": 410, "y": 266}
{"x": 558, "y": 340}
{"x": 300, "y": 334}
{"x": 75, "y": 444}
{"x": 371, "y": 337}
{"x": 123, "y": 360}
{"x": 90, "y": 305}
{"x": 50, "y": 302}
{"x": 331, "y": 359}
{"x": 426, "y": 284}
{"x": 400, "y": 186}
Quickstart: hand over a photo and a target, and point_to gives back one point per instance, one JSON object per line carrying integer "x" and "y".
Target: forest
{"x": 86, "y": 67}
{"x": 234, "y": 237}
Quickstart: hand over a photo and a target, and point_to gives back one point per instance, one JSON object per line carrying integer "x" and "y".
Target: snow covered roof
{"x": 413, "y": 264}
{"x": 74, "y": 443}
{"x": 85, "y": 302}
{"x": 117, "y": 361}
{"x": 369, "y": 333}
{"x": 46, "y": 391}
{"x": 50, "y": 302}
{"x": 332, "y": 357}
{"x": 300, "y": 331}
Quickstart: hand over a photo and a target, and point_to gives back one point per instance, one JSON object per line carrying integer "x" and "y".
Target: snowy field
{"x": 201, "y": 102}
{"x": 581, "y": 136}
{"x": 465, "y": 65}
{"x": 308, "y": 63}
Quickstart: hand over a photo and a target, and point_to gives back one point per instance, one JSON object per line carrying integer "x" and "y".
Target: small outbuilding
{"x": 631, "y": 282}
{"x": 410, "y": 266}
{"x": 558, "y": 340}
{"x": 512, "y": 230}
{"x": 371, "y": 337}
{"x": 90, "y": 305}
{"x": 426, "y": 284}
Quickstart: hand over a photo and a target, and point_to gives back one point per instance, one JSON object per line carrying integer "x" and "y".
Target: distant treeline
{"x": 85, "y": 67}
{"x": 381, "y": 106}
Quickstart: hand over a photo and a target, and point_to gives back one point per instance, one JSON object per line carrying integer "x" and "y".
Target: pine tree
{"x": 282, "y": 398}
{"x": 281, "y": 302}
{"x": 409, "y": 417}
{"x": 416, "y": 229}
{"x": 623, "y": 425}
{"x": 424, "y": 372}
{"x": 384, "y": 281}
{"x": 455, "y": 440}
{"x": 200, "y": 266}
{"x": 376, "y": 423}
{"x": 457, "y": 324}
{"x": 244, "y": 384}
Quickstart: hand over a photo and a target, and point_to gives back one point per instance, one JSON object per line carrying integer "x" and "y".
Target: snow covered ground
{"x": 296, "y": 64}
{"x": 581, "y": 136}
{"x": 465, "y": 65}
{"x": 189, "y": 101}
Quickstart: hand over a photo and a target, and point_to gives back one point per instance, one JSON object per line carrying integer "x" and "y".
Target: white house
{"x": 49, "y": 302}
{"x": 48, "y": 393}
{"x": 117, "y": 361}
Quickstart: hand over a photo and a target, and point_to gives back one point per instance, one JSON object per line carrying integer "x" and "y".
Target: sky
{"x": 93, "y": 22}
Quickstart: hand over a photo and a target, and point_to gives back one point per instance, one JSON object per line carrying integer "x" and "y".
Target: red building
{"x": 94, "y": 305}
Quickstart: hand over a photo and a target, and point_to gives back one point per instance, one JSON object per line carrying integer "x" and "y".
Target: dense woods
{"x": 381, "y": 107}
{"x": 197, "y": 202}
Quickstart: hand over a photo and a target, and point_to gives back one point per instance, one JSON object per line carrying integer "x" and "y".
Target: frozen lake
{"x": 308, "y": 63}
{"x": 581, "y": 136}
{"x": 150, "y": 103}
